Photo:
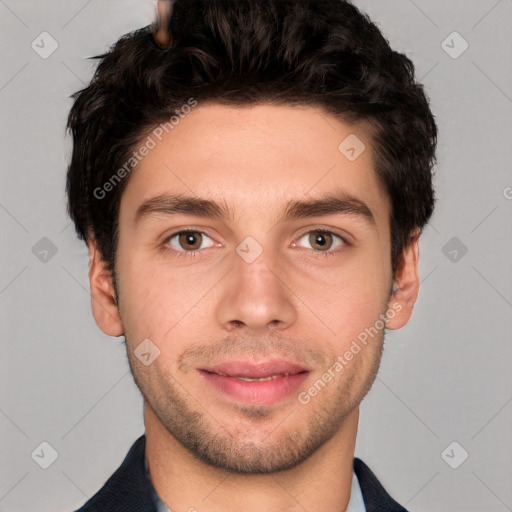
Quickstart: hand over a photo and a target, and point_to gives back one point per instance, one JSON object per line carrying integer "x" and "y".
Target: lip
{"x": 256, "y": 369}
{"x": 282, "y": 379}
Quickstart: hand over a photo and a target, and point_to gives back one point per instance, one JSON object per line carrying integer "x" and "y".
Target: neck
{"x": 321, "y": 482}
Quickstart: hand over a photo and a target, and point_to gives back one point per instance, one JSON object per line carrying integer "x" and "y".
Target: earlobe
{"x": 405, "y": 287}
{"x": 103, "y": 297}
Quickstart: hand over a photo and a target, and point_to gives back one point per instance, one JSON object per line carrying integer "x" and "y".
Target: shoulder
{"x": 376, "y": 498}
{"x": 127, "y": 489}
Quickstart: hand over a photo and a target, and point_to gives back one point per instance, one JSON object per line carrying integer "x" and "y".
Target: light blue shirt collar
{"x": 356, "y": 502}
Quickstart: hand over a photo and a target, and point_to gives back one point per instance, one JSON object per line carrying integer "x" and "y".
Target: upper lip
{"x": 256, "y": 369}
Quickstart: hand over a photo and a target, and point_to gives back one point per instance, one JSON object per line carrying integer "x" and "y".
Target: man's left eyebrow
{"x": 341, "y": 203}
{"x": 169, "y": 204}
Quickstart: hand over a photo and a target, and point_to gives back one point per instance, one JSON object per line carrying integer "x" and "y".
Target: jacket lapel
{"x": 375, "y": 497}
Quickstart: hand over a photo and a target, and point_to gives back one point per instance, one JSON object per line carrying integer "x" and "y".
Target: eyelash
{"x": 193, "y": 254}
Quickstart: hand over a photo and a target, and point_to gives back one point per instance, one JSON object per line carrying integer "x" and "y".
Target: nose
{"x": 256, "y": 295}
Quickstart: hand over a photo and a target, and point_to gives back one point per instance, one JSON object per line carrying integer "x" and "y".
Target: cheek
{"x": 158, "y": 302}
{"x": 344, "y": 301}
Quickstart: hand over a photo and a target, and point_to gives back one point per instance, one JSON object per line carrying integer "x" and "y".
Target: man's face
{"x": 264, "y": 293}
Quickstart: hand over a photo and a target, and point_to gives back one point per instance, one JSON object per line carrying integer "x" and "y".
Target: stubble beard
{"x": 288, "y": 441}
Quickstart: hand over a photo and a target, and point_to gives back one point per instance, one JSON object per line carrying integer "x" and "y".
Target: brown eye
{"x": 320, "y": 240}
{"x": 323, "y": 241}
{"x": 189, "y": 241}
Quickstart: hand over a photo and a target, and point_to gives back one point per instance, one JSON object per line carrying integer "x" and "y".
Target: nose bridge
{"x": 255, "y": 293}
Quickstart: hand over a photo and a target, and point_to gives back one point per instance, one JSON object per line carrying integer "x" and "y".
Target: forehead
{"x": 256, "y": 159}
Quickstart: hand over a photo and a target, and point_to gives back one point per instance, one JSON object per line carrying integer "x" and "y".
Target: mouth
{"x": 263, "y": 382}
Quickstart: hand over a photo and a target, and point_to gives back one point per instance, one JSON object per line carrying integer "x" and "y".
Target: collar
{"x": 130, "y": 488}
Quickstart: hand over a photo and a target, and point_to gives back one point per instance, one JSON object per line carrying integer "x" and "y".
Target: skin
{"x": 164, "y": 10}
{"x": 205, "y": 450}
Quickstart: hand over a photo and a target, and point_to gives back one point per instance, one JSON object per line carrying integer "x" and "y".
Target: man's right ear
{"x": 103, "y": 296}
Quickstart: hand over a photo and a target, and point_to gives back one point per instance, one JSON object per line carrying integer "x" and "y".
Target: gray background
{"x": 445, "y": 377}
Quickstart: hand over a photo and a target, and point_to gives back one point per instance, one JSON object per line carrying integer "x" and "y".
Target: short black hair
{"x": 320, "y": 53}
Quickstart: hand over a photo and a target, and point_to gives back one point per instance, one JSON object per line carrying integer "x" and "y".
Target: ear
{"x": 406, "y": 285}
{"x": 103, "y": 297}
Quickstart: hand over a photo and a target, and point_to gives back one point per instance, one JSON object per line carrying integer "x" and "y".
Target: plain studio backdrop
{"x": 435, "y": 428}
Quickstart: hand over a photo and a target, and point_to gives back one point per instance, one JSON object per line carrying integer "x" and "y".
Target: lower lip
{"x": 263, "y": 392}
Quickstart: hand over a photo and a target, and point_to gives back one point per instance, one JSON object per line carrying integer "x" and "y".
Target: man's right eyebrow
{"x": 168, "y": 204}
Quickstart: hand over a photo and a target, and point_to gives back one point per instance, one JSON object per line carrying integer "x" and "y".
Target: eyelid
{"x": 345, "y": 237}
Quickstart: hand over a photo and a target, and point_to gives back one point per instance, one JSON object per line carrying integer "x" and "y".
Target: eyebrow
{"x": 341, "y": 203}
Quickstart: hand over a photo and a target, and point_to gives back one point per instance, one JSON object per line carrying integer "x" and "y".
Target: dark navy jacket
{"x": 129, "y": 489}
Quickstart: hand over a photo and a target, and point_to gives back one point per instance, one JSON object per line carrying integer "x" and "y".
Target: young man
{"x": 252, "y": 196}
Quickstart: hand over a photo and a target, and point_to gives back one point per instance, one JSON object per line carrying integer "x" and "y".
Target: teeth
{"x": 249, "y": 379}
{"x": 253, "y": 380}
{"x": 272, "y": 377}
